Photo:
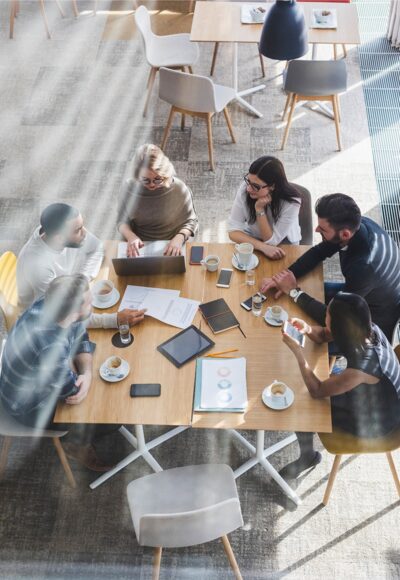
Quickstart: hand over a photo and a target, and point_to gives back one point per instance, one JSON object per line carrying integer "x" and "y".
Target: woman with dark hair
{"x": 365, "y": 397}
{"x": 266, "y": 209}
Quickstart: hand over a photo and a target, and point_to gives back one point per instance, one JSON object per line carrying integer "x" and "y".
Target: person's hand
{"x": 302, "y": 326}
{"x": 267, "y": 284}
{"x": 293, "y": 345}
{"x": 132, "y": 250}
{"x": 174, "y": 247}
{"x": 285, "y": 281}
{"x": 83, "y": 382}
{"x": 262, "y": 202}
{"x": 273, "y": 252}
{"x": 131, "y": 317}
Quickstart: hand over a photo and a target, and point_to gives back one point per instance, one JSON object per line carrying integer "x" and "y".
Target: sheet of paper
{"x": 223, "y": 383}
{"x": 135, "y": 296}
{"x": 155, "y": 248}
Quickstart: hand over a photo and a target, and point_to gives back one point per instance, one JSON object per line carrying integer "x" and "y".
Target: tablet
{"x": 185, "y": 346}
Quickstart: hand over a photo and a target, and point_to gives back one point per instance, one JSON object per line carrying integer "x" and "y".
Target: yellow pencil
{"x": 223, "y": 352}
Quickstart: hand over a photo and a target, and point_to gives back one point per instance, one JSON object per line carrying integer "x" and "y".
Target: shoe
{"x": 87, "y": 456}
{"x": 294, "y": 469}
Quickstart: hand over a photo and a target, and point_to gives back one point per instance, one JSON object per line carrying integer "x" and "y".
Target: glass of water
{"x": 250, "y": 277}
{"x": 256, "y": 305}
{"x": 124, "y": 333}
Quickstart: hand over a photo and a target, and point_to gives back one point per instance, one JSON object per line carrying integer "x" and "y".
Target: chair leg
{"x": 214, "y": 58}
{"x": 75, "y": 8}
{"x": 4, "y": 454}
{"x": 229, "y": 123}
{"x": 13, "y": 13}
{"x": 60, "y": 8}
{"x": 338, "y": 108}
{"x": 190, "y": 70}
{"x": 156, "y": 563}
{"x": 285, "y": 110}
{"x": 183, "y": 122}
{"x": 289, "y": 121}
{"x": 150, "y": 83}
{"x": 344, "y": 50}
{"x": 394, "y": 472}
{"x": 336, "y": 119}
{"x": 262, "y": 64}
{"x": 335, "y": 51}
{"x": 231, "y": 557}
{"x": 64, "y": 461}
{"x": 167, "y": 128}
{"x": 332, "y": 477}
{"x": 210, "y": 142}
{"x": 42, "y": 9}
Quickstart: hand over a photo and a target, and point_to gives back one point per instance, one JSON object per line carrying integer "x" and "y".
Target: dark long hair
{"x": 351, "y": 324}
{"x": 272, "y": 172}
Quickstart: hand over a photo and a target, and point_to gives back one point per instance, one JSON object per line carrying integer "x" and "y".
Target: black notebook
{"x": 218, "y": 315}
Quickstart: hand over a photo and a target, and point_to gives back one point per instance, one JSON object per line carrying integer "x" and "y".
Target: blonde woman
{"x": 156, "y": 205}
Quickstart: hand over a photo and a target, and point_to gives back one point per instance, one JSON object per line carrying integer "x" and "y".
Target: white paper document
{"x": 155, "y": 248}
{"x": 223, "y": 384}
{"x": 162, "y": 304}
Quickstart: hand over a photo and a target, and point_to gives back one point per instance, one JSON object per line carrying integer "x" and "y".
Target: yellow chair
{"x": 8, "y": 287}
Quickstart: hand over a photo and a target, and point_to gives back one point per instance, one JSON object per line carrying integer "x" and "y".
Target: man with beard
{"x": 47, "y": 358}
{"x": 369, "y": 260}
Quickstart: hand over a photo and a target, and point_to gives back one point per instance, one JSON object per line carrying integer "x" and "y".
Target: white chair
{"x": 196, "y": 96}
{"x": 185, "y": 506}
{"x": 173, "y": 50}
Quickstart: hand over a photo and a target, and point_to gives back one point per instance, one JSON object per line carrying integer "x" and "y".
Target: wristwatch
{"x": 260, "y": 213}
{"x": 185, "y": 237}
{"x": 295, "y": 293}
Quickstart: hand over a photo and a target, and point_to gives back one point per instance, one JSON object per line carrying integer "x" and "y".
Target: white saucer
{"x": 271, "y": 321}
{"x": 106, "y": 376}
{"x": 253, "y": 263}
{"x": 269, "y": 400}
{"x": 113, "y": 299}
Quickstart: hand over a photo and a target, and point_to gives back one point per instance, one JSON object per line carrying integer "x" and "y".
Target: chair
{"x": 337, "y": 2}
{"x": 185, "y": 506}
{"x": 305, "y": 216}
{"x": 314, "y": 80}
{"x": 15, "y": 9}
{"x": 8, "y": 288}
{"x": 196, "y": 96}
{"x": 172, "y": 51}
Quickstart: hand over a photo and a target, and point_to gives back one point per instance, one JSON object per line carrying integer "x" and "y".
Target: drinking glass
{"x": 250, "y": 277}
{"x": 256, "y": 305}
{"x": 124, "y": 333}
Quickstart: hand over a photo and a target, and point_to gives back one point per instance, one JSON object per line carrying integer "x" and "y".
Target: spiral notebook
{"x": 220, "y": 385}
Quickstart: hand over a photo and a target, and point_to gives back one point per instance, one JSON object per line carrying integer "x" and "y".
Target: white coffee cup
{"x": 244, "y": 254}
{"x": 278, "y": 393}
{"x": 102, "y": 290}
{"x": 276, "y": 312}
{"x": 114, "y": 364}
{"x": 211, "y": 263}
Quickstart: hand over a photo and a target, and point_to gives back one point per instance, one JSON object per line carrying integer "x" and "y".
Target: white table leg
{"x": 241, "y": 94}
{"x": 142, "y": 450}
{"x": 259, "y": 458}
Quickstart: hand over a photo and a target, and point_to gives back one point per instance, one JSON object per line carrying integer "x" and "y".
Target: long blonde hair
{"x": 151, "y": 157}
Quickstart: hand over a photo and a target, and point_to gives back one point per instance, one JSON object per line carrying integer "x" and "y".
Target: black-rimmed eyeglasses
{"x": 254, "y": 186}
{"x": 155, "y": 181}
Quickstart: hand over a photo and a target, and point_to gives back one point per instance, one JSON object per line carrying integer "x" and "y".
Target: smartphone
{"x": 224, "y": 278}
{"x": 246, "y": 304}
{"x": 196, "y": 255}
{"x": 294, "y": 333}
{"x": 145, "y": 390}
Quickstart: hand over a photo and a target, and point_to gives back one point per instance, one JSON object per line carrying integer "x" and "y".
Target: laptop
{"x": 150, "y": 261}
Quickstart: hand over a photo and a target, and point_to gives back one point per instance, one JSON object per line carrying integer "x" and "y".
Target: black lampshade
{"x": 284, "y": 34}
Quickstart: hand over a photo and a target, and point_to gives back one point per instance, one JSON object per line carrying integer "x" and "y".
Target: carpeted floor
{"x": 71, "y": 118}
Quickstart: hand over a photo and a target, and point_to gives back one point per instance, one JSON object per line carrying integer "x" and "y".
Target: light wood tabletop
{"x": 267, "y": 357}
{"x": 220, "y": 22}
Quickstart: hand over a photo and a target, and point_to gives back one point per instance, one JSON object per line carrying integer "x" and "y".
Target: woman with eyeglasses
{"x": 266, "y": 209}
{"x": 156, "y": 204}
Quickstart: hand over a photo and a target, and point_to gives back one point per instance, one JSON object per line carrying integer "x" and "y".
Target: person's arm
{"x": 127, "y": 316}
{"x": 360, "y": 278}
{"x": 312, "y": 258}
{"x": 188, "y": 221}
{"x": 134, "y": 242}
{"x": 318, "y": 334}
{"x": 288, "y": 217}
{"x": 84, "y": 364}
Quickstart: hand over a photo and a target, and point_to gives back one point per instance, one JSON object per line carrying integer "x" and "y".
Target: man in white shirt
{"x": 62, "y": 246}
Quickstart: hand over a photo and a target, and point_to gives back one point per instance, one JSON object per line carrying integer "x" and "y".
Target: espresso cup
{"x": 211, "y": 263}
{"x": 276, "y": 312}
{"x": 278, "y": 392}
{"x": 243, "y": 254}
{"x": 113, "y": 365}
{"x": 102, "y": 290}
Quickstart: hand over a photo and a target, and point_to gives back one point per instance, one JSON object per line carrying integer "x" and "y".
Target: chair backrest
{"x": 305, "y": 216}
{"x": 143, "y": 22}
{"x": 316, "y": 77}
{"x": 8, "y": 287}
{"x": 191, "y": 92}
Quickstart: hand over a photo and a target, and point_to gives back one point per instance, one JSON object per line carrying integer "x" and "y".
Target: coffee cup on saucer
{"x": 243, "y": 254}
{"x": 278, "y": 393}
{"x": 276, "y": 313}
{"x": 114, "y": 365}
{"x": 102, "y": 290}
{"x": 211, "y": 263}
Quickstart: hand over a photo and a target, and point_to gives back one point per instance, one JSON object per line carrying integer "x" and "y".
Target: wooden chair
{"x": 8, "y": 288}
{"x": 196, "y": 96}
{"x": 334, "y": 45}
{"x": 314, "y": 80}
{"x": 15, "y": 10}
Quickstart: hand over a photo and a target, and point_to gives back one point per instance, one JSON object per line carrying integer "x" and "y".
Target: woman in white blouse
{"x": 266, "y": 209}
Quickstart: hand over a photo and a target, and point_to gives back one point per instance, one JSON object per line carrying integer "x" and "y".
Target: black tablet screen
{"x": 186, "y": 345}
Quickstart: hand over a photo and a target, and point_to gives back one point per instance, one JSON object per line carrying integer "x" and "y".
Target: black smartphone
{"x": 145, "y": 390}
{"x": 224, "y": 278}
{"x": 246, "y": 304}
{"x": 196, "y": 255}
{"x": 294, "y": 333}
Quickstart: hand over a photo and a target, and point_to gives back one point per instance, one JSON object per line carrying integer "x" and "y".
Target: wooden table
{"x": 220, "y": 22}
{"x": 267, "y": 358}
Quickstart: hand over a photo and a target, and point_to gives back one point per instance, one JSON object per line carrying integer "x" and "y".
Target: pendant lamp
{"x": 284, "y": 35}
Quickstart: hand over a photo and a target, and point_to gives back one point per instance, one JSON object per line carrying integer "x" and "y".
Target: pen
{"x": 242, "y": 331}
{"x": 223, "y": 352}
